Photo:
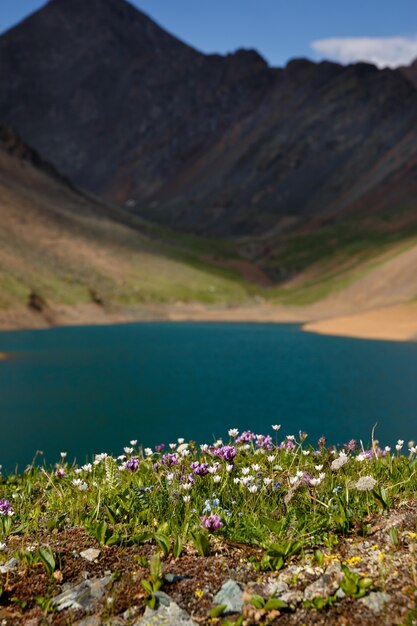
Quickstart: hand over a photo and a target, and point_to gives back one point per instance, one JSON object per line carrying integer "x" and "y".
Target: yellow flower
{"x": 381, "y": 556}
{"x": 354, "y": 559}
{"x": 199, "y": 593}
{"x": 412, "y": 535}
{"x": 375, "y": 547}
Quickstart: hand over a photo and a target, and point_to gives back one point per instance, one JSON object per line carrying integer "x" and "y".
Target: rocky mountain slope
{"x": 209, "y": 144}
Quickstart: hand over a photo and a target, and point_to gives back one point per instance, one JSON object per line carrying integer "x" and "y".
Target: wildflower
{"x": 271, "y": 458}
{"x": 184, "y": 452}
{"x": 160, "y": 447}
{"x": 169, "y": 459}
{"x": 267, "y": 481}
{"x": 276, "y": 427}
{"x": 365, "y": 483}
{"x": 245, "y": 470}
{"x": 186, "y": 499}
{"x": 172, "y": 446}
{"x": 186, "y": 486}
{"x": 338, "y": 489}
{"x": 87, "y": 467}
{"x": 100, "y": 457}
{"x": 214, "y": 468}
{"x": 306, "y": 452}
{"x": 412, "y": 450}
{"x": 60, "y": 472}
{"x": 314, "y": 482}
{"x": 200, "y": 469}
{"x": 80, "y": 484}
{"x": 210, "y": 522}
{"x": 399, "y": 445}
{"x": 236, "y": 481}
{"x": 253, "y": 488}
{"x": 218, "y": 443}
{"x": 6, "y": 508}
{"x": 128, "y": 450}
{"x": 293, "y": 480}
{"x": 256, "y": 467}
{"x": 181, "y": 440}
{"x": 148, "y": 451}
{"x": 120, "y": 458}
{"x": 318, "y": 467}
{"x": 264, "y": 442}
{"x": 217, "y": 478}
{"x": 63, "y": 455}
{"x": 339, "y": 462}
{"x": 246, "y": 437}
{"x": 227, "y": 453}
{"x": 2, "y": 546}
{"x": 199, "y": 593}
{"x": 170, "y": 476}
{"x": 321, "y": 442}
{"x": 230, "y": 467}
{"x": 132, "y": 465}
{"x": 133, "y": 442}
{"x": 352, "y": 445}
{"x": 233, "y": 432}
{"x": 387, "y": 449}
{"x": 361, "y": 457}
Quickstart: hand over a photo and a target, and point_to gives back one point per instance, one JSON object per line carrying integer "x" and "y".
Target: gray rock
{"x": 275, "y": 588}
{"x": 81, "y": 597}
{"x": 91, "y": 554}
{"x": 168, "y": 613}
{"x": 174, "y": 578}
{"x": 130, "y": 613}
{"x": 93, "y": 620}
{"x": 231, "y": 595}
{"x": 376, "y": 601}
{"x": 292, "y": 598}
{"x": 326, "y": 585}
{"x": 9, "y": 566}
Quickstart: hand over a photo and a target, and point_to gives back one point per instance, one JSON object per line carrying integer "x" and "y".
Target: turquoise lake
{"x": 92, "y": 389}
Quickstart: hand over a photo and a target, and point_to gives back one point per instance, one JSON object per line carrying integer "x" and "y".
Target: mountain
{"x": 66, "y": 256}
{"x": 209, "y": 144}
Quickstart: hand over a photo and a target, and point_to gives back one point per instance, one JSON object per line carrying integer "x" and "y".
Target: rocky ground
{"x": 95, "y": 584}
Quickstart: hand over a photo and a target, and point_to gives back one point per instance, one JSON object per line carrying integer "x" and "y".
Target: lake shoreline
{"x": 394, "y": 323}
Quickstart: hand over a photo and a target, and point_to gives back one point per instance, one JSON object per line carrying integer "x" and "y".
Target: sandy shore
{"x": 391, "y": 324}
{"x": 396, "y": 323}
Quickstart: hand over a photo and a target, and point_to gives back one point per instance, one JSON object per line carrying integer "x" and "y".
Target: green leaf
{"x": 177, "y": 549}
{"x": 257, "y": 601}
{"x": 163, "y": 542}
{"x": 147, "y": 586}
{"x": 275, "y": 604}
{"x": 217, "y": 610}
{"x": 47, "y": 558}
{"x": 101, "y": 532}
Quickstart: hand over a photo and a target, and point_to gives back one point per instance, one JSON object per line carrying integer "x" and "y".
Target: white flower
{"x": 186, "y": 498}
{"x": 245, "y": 470}
{"x": 180, "y": 440}
{"x": 236, "y": 481}
{"x": 100, "y": 457}
{"x": 412, "y": 450}
{"x": 172, "y": 446}
{"x": 87, "y": 467}
{"x": 315, "y": 481}
{"x": 63, "y": 455}
{"x": 121, "y": 457}
{"x": 290, "y": 437}
{"x": 204, "y": 447}
{"x": 365, "y": 483}
{"x": 271, "y": 458}
{"x": 148, "y": 451}
{"x": 78, "y": 471}
{"x": 246, "y": 446}
{"x": 217, "y": 478}
{"x": 361, "y": 457}
{"x": 253, "y": 488}
{"x": 322, "y": 475}
{"x": 306, "y": 452}
{"x": 256, "y": 467}
{"x": 186, "y": 486}
{"x": 2, "y": 546}
{"x": 214, "y": 468}
{"x": 276, "y": 426}
{"x": 233, "y": 432}
{"x": 185, "y": 452}
{"x": 218, "y": 443}
{"x": 128, "y": 450}
{"x": 339, "y": 462}
{"x": 80, "y": 484}
{"x": 318, "y": 467}
{"x": 300, "y": 474}
{"x": 246, "y": 479}
{"x": 387, "y": 449}
{"x": 293, "y": 480}
{"x": 229, "y": 467}
{"x": 267, "y": 481}
{"x": 170, "y": 476}
{"x": 133, "y": 442}
{"x": 399, "y": 445}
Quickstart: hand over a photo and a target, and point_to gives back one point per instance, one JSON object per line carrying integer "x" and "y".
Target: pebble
{"x": 326, "y": 585}
{"x": 9, "y": 566}
{"x": 376, "y": 601}
{"x": 91, "y": 554}
{"x": 81, "y": 597}
{"x": 168, "y": 613}
{"x": 231, "y": 595}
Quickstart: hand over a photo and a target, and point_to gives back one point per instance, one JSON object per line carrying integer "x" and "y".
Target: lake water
{"x": 92, "y": 389}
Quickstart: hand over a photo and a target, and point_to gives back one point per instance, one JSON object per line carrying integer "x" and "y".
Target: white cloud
{"x": 381, "y": 51}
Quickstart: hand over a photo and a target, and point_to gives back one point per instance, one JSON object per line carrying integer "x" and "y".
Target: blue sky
{"x": 381, "y": 31}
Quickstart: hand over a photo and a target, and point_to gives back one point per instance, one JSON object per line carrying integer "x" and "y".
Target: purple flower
{"x": 169, "y": 459}
{"x": 246, "y": 437}
{"x": 60, "y": 472}
{"x": 200, "y": 469}
{"x": 6, "y": 508}
{"x": 322, "y": 442}
{"x": 132, "y": 465}
{"x": 307, "y": 478}
{"x": 160, "y": 447}
{"x": 210, "y": 522}
{"x": 264, "y": 442}
{"x": 351, "y": 446}
{"x": 227, "y": 453}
